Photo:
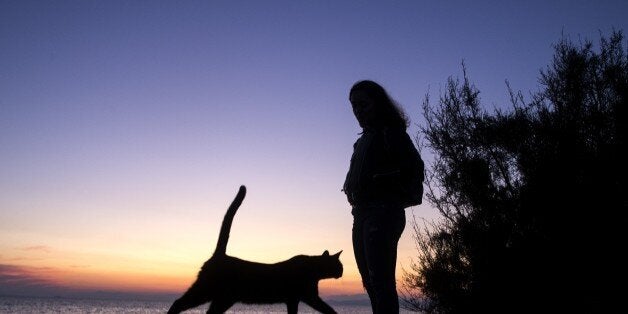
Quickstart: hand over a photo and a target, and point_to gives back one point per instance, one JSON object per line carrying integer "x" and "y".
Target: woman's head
{"x": 373, "y": 107}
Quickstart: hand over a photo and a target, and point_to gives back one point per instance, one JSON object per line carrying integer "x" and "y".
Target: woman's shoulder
{"x": 396, "y": 132}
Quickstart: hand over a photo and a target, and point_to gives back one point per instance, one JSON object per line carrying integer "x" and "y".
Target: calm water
{"x": 50, "y": 305}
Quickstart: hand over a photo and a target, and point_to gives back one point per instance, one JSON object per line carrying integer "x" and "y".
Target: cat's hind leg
{"x": 219, "y": 306}
{"x": 191, "y": 298}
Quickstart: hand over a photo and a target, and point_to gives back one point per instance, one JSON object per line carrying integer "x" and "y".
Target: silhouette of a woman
{"x": 383, "y": 159}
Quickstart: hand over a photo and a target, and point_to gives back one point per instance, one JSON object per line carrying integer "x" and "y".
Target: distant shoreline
{"x": 345, "y": 299}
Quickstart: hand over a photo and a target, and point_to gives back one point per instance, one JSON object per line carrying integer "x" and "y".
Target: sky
{"x": 126, "y": 127}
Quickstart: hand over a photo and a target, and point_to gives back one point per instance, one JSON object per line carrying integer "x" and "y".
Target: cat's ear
{"x": 326, "y": 253}
{"x": 337, "y": 255}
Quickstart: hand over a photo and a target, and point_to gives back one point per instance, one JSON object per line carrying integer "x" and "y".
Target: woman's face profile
{"x": 363, "y": 108}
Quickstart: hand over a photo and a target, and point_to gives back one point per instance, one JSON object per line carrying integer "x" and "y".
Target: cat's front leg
{"x": 293, "y": 307}
{"x": 318, "y": 304}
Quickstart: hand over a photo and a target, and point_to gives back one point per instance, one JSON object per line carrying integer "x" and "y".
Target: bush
{"x": 531, "y": 198}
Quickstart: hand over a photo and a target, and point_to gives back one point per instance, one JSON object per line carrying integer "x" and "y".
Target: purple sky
{"x": 127, "y": 126}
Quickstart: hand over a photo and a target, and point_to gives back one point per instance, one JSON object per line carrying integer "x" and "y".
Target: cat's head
{"x": 330, "y": 265}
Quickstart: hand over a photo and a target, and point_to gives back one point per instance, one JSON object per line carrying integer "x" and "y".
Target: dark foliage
{"x": 532, "y": 199}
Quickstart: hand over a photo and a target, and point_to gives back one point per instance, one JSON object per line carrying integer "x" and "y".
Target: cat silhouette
{"x": 225, "y": 280}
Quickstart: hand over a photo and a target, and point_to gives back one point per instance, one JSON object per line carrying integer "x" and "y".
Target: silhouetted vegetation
{"x": 532, "y": 198}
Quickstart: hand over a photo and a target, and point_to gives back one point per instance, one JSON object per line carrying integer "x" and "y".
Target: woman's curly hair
{"x": 389, "y": 112}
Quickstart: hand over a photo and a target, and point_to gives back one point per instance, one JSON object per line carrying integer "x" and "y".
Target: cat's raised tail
{"x": 225, "y": 229}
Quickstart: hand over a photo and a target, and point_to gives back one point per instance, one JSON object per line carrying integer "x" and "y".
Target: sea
{"x": 42, "y": 305}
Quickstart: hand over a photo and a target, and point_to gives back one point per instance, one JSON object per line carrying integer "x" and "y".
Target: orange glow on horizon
{"x": 135, "y": 282}
{"x": 165, "y": 266}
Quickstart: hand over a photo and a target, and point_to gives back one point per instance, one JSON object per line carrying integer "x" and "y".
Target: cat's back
{"x": 254, "y": 282}
{"x": 237, "y": 267}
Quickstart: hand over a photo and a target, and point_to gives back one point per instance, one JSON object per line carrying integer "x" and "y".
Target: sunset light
{"x": 126, "y": 127}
